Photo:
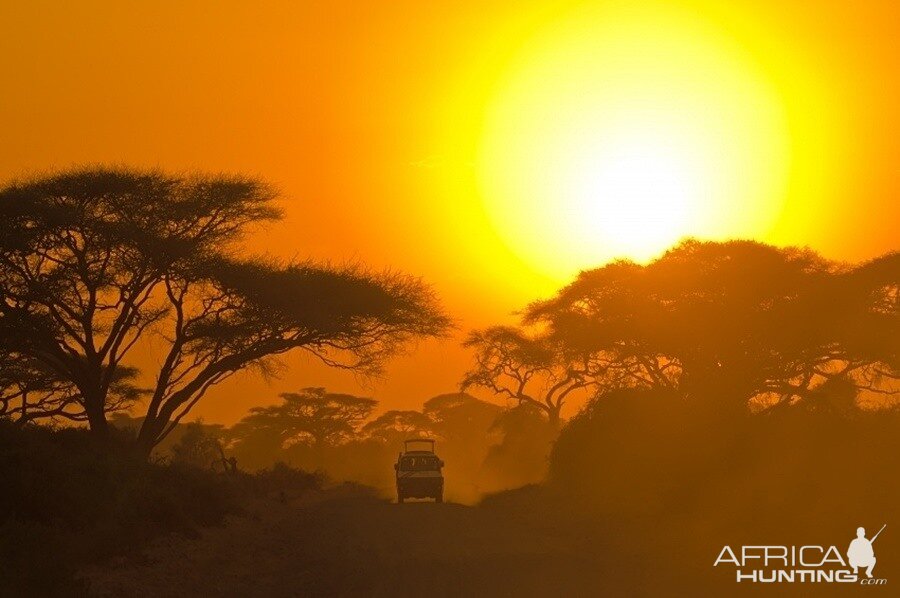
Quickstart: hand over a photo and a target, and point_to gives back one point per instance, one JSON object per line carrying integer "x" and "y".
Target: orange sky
{"x": 370, "y": 117}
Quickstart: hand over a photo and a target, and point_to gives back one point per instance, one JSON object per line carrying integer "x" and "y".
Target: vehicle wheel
{"x": 439, "y": 497}
{"x": 400, "y": 498}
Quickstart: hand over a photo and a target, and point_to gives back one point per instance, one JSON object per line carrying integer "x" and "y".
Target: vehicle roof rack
{"x": 427, "y": 441}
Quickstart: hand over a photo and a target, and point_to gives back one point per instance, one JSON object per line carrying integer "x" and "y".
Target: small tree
{"x": 525, "y": 368}
{"x": 395, "y": 426}
{"x": 312, "y": 416}
{"x": 460, "y": 417}
{"x": 199, "y": 446}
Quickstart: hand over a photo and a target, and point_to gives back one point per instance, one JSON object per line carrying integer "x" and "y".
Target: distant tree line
{"x": 485, "y": 446}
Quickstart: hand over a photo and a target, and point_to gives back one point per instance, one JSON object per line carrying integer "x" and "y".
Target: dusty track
{"x": 349, "y": 546}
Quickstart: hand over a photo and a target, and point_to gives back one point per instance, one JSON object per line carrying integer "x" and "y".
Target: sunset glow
{"x": 617, "y": 132}
{"x": 526, "y": 298}
{"x": 493, "y": 148}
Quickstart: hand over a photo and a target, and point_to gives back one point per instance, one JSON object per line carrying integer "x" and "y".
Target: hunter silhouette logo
{"x": 804, "y": 564}
{"x": 861, "y": 553}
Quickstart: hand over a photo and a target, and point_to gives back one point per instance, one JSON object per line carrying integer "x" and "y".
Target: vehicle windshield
{"x": 424, "y": 463}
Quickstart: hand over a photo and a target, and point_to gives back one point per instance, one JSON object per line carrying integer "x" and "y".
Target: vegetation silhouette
{"x": 393, "y": 427}
{"x": 200, "y": 446}
{"x": 94, "y": 259}
{"x": 740, "y": 324}
{"x": 743, "y": 394}
{"x": 520, "y": 456}
{"x": 486, "y": 447}
{"x": 527, "y": 368}
{"x": 323, "y": 419}
{"x": 734, "y": 392}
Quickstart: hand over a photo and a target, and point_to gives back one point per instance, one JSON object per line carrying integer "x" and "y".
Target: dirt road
{"x": 355, "y": 546}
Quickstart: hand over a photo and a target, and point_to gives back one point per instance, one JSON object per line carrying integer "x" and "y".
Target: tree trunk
{"x": 143, "y": 448}
{"x": 555, "y": 420}
{"x": 319, "y": 450}
{"x": 96, "y": 415}
{"x": 148, "y": 435}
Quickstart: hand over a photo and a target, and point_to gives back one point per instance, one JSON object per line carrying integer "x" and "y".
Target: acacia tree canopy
{"x": 94, "y": 259}
{"x": 313, "y": 416}
{"x": 737, "y": 322}
{"x": 394, "y": 426}
{"x": 528, "y": 368}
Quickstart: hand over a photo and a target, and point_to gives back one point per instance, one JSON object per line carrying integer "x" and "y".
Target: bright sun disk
{"x": 616, "y": 132}
{"x": 634, "y": 192}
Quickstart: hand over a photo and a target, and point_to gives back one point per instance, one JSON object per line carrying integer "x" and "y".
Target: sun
{"x": 614, "y": 133}
{"x": 632, "y": 189}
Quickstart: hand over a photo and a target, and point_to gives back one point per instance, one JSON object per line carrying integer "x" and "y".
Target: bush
{"x": 285, "y": 481}
{"x": 668, "y": 481}
{"x": 645, "y": 452}
{"x": 68, "y": 500}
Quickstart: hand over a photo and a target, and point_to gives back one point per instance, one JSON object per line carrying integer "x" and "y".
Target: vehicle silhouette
{"x": 419, "y": 471}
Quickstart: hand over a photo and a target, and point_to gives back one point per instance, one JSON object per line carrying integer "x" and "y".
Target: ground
{"x": 347, "y": 544}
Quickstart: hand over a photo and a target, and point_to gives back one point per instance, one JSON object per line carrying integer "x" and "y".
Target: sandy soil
{"x": 342, "y": 545}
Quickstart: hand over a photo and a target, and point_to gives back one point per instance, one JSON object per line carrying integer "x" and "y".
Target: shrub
{"x": 68, "y": 500}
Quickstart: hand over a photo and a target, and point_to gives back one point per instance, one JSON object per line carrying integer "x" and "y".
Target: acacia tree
{"x": 312, "y": 416}
{"x": 235, "y": 315}
{"x": 395, "y": 426}
{"x": 527, "y": 368}
{"x": 30, "y": 391}
{"x": 93, "y": 260}
{"x": 737, "y": 323}
{"x": 461, "y": 418}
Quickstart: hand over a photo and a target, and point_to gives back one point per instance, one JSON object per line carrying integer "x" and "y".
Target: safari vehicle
{"x": 419, "y": 471}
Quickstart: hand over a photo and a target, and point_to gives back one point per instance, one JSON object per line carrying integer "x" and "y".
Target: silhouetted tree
{"x": 393, "y": 427}
{"x": 93, "y": 259}
{"x": 199, "y": 446}
{"x": 520, "y": 456}
{"x": 30, "y": 391}
{"x": 311, "y": 416}
{"x": 464, "y": 423}
{"x": 461, "y": 416}
{"x": 527, "y": 368}
{"x": 733, "y": 323}
{"x": 254, "y": 444}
